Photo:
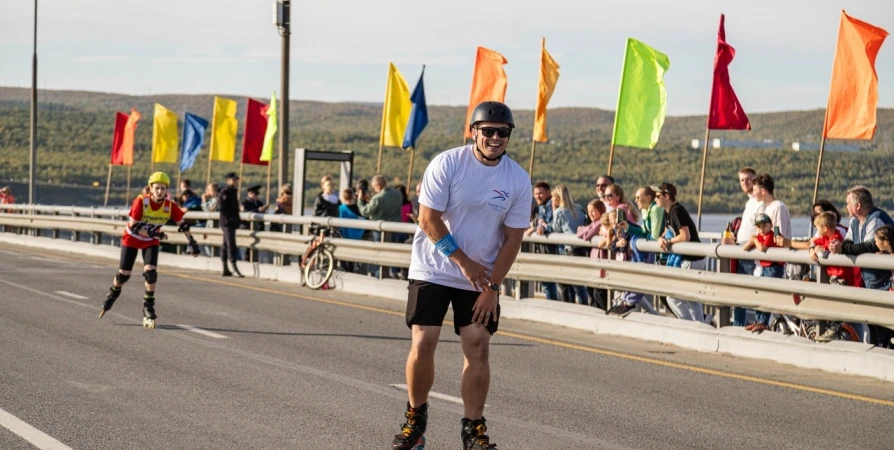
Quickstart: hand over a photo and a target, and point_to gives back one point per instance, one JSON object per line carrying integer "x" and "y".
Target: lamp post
{"x": 283, "y": 24}
{"x": 32, "y": 170}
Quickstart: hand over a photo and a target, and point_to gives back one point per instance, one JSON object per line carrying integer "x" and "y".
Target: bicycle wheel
{"x": 319, "y": 267}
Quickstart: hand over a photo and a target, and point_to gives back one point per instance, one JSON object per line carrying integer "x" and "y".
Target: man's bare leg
{"x": 421, "y": 363}
{"x": 476, "y": 369}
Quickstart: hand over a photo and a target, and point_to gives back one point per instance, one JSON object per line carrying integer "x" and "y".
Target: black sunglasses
{"x": 501, "y": 132}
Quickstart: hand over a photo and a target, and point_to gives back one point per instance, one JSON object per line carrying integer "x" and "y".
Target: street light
{"x": 32, "y": 193}
{"x": 281, "y": 18}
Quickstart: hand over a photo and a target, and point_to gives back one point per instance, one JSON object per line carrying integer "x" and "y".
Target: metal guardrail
{"x": 817, "y": 301}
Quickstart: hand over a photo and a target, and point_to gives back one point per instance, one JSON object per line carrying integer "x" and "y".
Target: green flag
{"x": 642, "y": 100}
{"x": 267, "y": 151}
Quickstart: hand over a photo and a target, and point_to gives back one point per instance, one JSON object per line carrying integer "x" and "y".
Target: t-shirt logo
{"x": 167, "y": 209}
{"x": 501, "y": 195}
{"x": 497, "y": 202}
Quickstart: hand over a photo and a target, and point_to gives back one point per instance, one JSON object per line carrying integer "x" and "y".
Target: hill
{"x": 75, "y": 128}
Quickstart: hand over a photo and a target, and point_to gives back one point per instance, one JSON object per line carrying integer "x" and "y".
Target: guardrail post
{"x": 55, "y": 230}
{"x": 75, "y": 235}
{"x": 723, "y": 312}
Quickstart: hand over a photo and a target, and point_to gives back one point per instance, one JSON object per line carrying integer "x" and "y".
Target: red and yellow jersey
{"x": 155, "y": 214}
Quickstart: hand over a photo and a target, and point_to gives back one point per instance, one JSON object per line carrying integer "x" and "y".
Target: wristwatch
{"x": 495, "y": 287}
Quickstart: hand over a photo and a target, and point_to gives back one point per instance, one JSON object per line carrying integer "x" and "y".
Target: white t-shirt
{"x": 746, "y": 228}
{"x": 476, "y": 200}
{"x": 779, "y": 216}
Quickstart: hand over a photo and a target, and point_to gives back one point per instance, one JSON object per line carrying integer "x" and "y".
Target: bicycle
{"x": 318, "y": 262}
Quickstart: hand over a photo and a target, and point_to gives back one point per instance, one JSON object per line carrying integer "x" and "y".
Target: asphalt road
{"x": 264, "y": 365}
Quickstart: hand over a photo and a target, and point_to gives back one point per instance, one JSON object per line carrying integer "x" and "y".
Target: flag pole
{"x": 611, "y": 155}
{"x": 819, "y": 165}
{"x": 410, "y": 170}
{"x": 211, "y": 146}
{"x": 531, "y": 166}
{"x": 127, "y": 195}
{"x": 611, "y": 149}
{"x": 108, "y": 183}
{"x": 701, "y": 186}
{"x": 269, "y": 165}
{"x": 239, "y": 185}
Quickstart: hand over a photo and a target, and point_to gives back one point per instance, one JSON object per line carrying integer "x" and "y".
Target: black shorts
{"x": 427, "y": 305}
{"x": 129, "y": 256}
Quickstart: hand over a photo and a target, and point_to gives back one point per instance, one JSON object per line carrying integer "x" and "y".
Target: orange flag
{"x": 129, "y": 130}
{"x": 549, "y": 76}
{"x": 853, "y": 94}
{"x": 488, "y": 81}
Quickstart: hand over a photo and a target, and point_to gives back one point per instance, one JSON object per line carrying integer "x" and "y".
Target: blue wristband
{"x": 447, "y": 245}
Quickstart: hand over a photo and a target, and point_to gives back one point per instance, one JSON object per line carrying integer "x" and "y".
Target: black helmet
{"x": 492, "y": 112}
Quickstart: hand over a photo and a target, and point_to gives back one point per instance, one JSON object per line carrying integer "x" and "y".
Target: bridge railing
{"x": 723, "y": 290}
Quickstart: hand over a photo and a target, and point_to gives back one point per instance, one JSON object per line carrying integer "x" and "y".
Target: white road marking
{"x": 201, "y": 331}
{"x": 69, "y": 294}
{"x": 446, "y": 397}
{"x": 36, "y": 437}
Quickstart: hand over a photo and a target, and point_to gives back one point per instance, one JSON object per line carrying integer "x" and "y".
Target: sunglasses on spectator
{"x": 490, "y": 131}
{"x": 609, "y": 194}
{"x": 603, "y": 186}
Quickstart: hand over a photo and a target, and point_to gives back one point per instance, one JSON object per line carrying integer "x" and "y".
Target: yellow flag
{"x": 164, "y": 135}
{"x": 396, "y": 112}
{"x": 549, "y": 75}
{"x": 223, "y": 130}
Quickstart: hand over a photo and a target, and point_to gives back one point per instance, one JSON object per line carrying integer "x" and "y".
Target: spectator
{"x": 763, "y": 189}
{"x": 652, "y": 214}
{"x": 253, "y": 204}
{"x": 6, "y": 197}
{"x": 614, "y": 199}
{"x": 818, "y": 208}
{"x": 543, "y": 217}
{"x": 284, "y": 200}
{"x": 361, "y": 188}
{"x": 385, "y": 205}
{"x": 283, "y": 205}
{"x": 228, "y": 205}
{"x": 415, "y": 202}
{"x": 746, "y": 231}
{"x": 602, "y": 183}
{"x": 764, "y": 239}
{"x": 326, "y": 203}
{"x": 679, "y": 227}
{"x": 595, "y": 210}
{"x": 186, "y": 185}
{"x": 348, "y": 210}
{"x": 866, "y": 219}
{"x": 623, "y": 244}
{"x": 567, "y": 217}
{"x": 825, "y": 224}
{"x": 406, "y": 209}
{"x": 596, "y": 213}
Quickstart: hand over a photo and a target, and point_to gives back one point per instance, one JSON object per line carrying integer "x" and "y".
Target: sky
{"x": 341, "y": 48}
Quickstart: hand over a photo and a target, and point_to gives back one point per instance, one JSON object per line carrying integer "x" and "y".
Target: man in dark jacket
{"x": 865, "y": 219}
{"x": 228, "y": 203}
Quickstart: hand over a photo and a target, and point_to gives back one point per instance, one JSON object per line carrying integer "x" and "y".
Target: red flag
{"x": 726, "y": 112}
{"x": 118, "y": 139}
{"x": 123, "y": 137}
{"x": 255, "y": 129}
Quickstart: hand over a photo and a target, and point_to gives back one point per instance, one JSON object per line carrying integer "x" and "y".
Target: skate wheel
{"x": 148, "y": 323}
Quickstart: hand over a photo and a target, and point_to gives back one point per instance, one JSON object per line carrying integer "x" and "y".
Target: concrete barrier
{"x": 836, "y": 356}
